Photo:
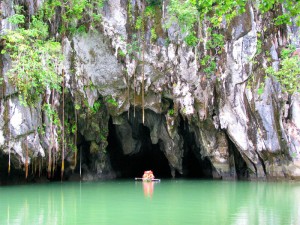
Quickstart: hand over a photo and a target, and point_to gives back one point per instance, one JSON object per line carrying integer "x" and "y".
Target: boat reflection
{"x": 148, "y": 188}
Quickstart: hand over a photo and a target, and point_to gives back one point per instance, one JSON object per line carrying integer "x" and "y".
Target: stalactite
{"x": 9, "y": 160}
{"x": 75, "y": 139}
{"x": 54, "y": 162}
{"x": 143, "y": 82}
{"x": 26, "y": 160}
{"x": 34, "y": 168}
{"x": 134, "y": 86}
{"x": 40, "y": 167}
{"x": 9, "y": 103}
{"x": 49, "y": 163}
{"x": 128, "y": 94}
{"x": 49, "y": 170}
{"x": 80, "y": 156}
{"x": 63, "y": 127}
{"x": 143, "y": 68}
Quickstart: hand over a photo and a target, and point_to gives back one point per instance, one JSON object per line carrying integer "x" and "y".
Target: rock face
{"x": 221, "y": 121}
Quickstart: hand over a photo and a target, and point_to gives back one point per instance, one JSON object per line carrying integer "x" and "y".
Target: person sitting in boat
{"x": 148, "y": 175}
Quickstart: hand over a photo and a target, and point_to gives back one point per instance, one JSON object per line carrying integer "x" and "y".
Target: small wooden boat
{"x": 147, "y": 179}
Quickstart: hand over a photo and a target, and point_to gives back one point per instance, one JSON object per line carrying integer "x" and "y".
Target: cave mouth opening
{"x": 16, "y": 176}
{"x": 241, "y": 167}
{"x": 194, "y": 165}
{"x": 147, "y": 157}
{"x": 150, "y": 156}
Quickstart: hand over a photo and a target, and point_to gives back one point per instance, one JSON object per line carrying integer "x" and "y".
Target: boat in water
{"x": 148, "y": 176}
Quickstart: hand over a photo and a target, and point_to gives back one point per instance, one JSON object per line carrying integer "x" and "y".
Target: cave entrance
{"x": 194, "y": 165}
{"x": 147, "y": 157}
{"x": 16, "y": 176}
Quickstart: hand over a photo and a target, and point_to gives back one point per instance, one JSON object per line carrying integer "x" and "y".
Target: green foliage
{"x": 184, "y": 13}
{"x": 72, "y": 147}
{"x": 18, "y": 17}
{"x": 289, "y": 73}
{"x": 73, "y": 128}
{"x": 41, "y": 130}
{"x": 266, "y": 5}
{"x": 286, "y": 52}
{"x": 191, "y": 39}
{"x": 153, "y": 34}
{"x": 292, "y": 9}
{"x": 130, "y": 11}
{"x": 96, "y": 107}
{"x": 139, "y": 23}
{"x": 171, "y": 112}
{"x": 282, "y": 19}
{"x": 150, "y": 11}
{"x": 51, "y": 113}
{"x": 213, "y": 12}
{"x": 258, "y": 47}
{"x": 77, "y": 107}
{"x": 209, "y": 65}
{"x": 216, "y": 41}
{"x": 261, "y": 88}
{"x": 134, "y": 46}
{"x": 35, "y": 59}
{"x": 121, "y": 53}
{"x": 112, "y": 101}
{"x": 77, "y": 15}
{"x": 219, "y": 10}
{"x": 294, "y": 154}
{"x": 101, "y": 3}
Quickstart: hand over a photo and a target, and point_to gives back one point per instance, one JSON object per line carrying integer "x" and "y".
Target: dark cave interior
{"x": 151, "y": 157}
{"x": 194, "y": 165}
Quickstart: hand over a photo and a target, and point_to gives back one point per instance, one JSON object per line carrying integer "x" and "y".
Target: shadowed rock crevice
{"x": 194, "y": 164}
{"x": 241, "y": 169}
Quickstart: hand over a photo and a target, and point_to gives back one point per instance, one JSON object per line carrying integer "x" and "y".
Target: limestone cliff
{"x": 221, "y": 120}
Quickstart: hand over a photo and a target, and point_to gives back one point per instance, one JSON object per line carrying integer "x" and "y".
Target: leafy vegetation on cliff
{"x": 36, "y": 52}
{"x": 214, "y": 15}
{"x": 35, "y": 58}
{"x": 288, "y": 75}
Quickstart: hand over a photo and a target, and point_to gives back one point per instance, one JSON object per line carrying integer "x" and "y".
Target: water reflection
{"x": 148, "y": 188}
{"x": 174, "y": 202}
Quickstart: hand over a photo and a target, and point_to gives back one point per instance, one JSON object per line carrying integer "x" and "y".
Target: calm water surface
{"x": 169, "y": 202}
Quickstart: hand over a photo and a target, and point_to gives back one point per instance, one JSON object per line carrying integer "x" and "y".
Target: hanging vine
{"x": 26, "y": 160}
{"x": 63, "y": 128}
{"x": 143, "y": 65}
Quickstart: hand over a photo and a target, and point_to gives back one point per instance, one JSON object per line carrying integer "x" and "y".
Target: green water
{"x": 169, "y": 202}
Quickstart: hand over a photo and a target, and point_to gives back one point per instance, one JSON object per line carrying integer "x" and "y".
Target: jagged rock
{"x": 240, "y": 132}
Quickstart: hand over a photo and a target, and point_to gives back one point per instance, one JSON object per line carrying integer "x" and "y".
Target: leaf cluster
{"x": 292, "y": 9}
{"x": 289, "y": 73}
{"x": 76, "y": 15}
{"x": 35, "y": 59}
